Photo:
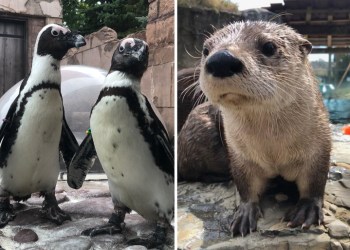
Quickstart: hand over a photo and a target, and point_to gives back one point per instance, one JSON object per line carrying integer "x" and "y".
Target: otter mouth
{"x": 234, "y": 98}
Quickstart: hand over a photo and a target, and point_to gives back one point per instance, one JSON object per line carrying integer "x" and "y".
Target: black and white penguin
{"x": 35, "y": 130}
{"x": 132, "y": 145}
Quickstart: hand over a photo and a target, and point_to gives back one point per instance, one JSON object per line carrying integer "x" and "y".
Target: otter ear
{"x": 305, "y": 46}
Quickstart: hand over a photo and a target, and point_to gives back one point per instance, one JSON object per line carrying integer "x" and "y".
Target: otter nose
{"x": 223, "y": 64}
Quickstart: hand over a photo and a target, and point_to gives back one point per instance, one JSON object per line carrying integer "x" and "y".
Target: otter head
{"x": 254, "y": 64}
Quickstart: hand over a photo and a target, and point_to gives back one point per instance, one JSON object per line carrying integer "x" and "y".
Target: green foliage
{"x": 218, "y": 5}
{"x": 88, "y": 16}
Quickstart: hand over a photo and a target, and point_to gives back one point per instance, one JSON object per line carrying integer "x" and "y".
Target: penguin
{"x": 133, "y": 147}
{"x": 35, "y": 130}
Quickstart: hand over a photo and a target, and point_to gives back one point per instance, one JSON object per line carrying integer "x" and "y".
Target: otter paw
{"x": 245, "y": 218}
{"x": 305, "y": 213}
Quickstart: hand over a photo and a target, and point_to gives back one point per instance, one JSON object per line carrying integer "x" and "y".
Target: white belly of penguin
{"x": 33, "y": 165}
{"x": 134, "y": 179}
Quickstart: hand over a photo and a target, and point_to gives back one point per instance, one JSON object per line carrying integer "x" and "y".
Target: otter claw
{"x": 245, "y": 219}
{"x": 306, "y": 213}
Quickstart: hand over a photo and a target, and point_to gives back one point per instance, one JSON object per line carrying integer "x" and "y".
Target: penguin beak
{"x": 141, "y": 54}
{"x": 75, "y": 40}
{"x": 79, "y": 40}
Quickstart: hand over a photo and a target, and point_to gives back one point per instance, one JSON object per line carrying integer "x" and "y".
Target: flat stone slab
{"x": 89, "y": 206}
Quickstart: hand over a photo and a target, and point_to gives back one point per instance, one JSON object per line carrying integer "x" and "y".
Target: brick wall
{"x": 157, "y": 82}
{"x": 194, "y": 26}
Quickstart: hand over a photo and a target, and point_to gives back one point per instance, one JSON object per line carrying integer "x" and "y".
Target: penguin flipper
{"x": 164, "y": 152}
{"x": 8, "y": 119}
{"x": 68, "y": 143}
{"x": 81, "y": 163}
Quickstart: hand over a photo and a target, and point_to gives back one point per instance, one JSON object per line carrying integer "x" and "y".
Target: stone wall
{"x": 49, "y": 8}
{"x": 157, "y": 82}
{"x": 194, "y": 26}
{"x": 97, "y": 52}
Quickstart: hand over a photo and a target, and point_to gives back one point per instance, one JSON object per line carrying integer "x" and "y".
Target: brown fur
{"x": 202, "y": 153}
{"x": 274, "y": 118}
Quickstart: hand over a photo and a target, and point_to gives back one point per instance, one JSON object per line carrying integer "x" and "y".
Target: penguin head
{"x": 130, "y": 57}
{"x": 56, "y": 40}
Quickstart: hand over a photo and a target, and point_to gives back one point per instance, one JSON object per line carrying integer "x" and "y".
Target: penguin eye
{"x": 54, "y": 32}
{"x": 205, "y": 51}
{"x": 268, "y": 49}
{"x": 121, "y": 49}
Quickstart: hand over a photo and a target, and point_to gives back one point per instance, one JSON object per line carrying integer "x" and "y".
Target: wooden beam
{"x": 330, "y": 50}
{"x": 322, "y": 29}
{"x": 329, "y": 41}
{"x": 308, "y": 14}
{"x": 314, "y": 22}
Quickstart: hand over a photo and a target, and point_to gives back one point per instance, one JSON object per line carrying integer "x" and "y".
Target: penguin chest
{"x": 33, "y": 163}
{"x": 134, "y": 179}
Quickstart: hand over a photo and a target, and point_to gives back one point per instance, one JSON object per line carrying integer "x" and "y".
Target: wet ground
{"x": 89, "y": 206}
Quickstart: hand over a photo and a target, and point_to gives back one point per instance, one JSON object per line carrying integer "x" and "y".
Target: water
{"x": 339, "y": 110}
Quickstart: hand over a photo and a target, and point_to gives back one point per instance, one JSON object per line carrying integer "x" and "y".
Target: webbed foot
{"x": 113, "y": 226}
{"x": 6, "y": 212}
{"x": 52, "y": 211}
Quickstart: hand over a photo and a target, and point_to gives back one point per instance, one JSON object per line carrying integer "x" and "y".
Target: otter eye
{"x": 268, "y": 49}
{"x": 54, "y": 32}
{"x": 121, "y": 49}
{"x": 205, "y": 51}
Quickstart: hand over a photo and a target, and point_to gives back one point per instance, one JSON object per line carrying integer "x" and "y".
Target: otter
{"x": 202, "y": 151}
{"x": 275, "y": 124}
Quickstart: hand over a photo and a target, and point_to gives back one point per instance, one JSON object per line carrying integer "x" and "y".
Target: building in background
{"x": 20, "y": 22}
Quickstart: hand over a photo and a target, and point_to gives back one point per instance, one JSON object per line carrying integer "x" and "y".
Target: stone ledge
{"x": 89, "y": 206}
{"x": 33, "y": 7}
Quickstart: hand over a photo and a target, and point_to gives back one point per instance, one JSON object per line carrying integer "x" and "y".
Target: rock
{"x": 89, "y": 207}
{"x": 28, "y": 218}
{"x": 336, "y": 245}
{"x": 102, "y": 207}
{"x": 338, "y": 229}
{"x": 35, "y": 199}
{"x": 135, "y": 248}
{"x": 337, "y": 192}
{"x": 69, "y": 243}
{"x": 333, "y": 208}
{"x": 25, "y": 236}
{"x": 345, "y": 244}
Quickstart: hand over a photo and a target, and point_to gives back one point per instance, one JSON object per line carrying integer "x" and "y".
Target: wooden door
{"x": 12, "y": 53}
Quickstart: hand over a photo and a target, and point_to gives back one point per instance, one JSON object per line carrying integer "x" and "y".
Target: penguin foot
{"x": 52, "y": 211}
{"x": 105, "y": 229}
{"x": 115, "y": 225}
{"x": 6, "y": 212}
{"x": 154, "y": 240}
